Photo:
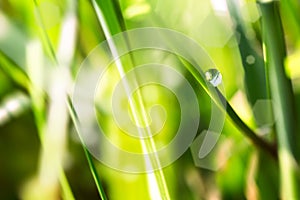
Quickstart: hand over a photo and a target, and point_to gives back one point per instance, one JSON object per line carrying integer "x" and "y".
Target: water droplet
{"x": 250, "y": 59}
{"x": 214, "y": 77}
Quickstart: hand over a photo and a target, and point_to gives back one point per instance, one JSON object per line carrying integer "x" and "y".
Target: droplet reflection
{"x": 214, "y": 77}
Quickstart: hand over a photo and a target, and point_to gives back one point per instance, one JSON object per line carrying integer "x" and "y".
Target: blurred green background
{"x": 42, "y": 45}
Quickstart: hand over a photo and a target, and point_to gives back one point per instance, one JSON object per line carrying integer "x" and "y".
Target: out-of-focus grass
{"x": 205, "y": 21}
{"x": 282, "y": 93}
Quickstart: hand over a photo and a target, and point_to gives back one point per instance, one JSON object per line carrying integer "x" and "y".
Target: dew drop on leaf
{"x": 214, "y": 77}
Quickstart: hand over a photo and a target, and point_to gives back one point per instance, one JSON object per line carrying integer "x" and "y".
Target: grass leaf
{"x": 282, "y": 95}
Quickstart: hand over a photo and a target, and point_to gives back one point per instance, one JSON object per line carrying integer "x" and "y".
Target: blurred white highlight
{"x": 219, "y": 6}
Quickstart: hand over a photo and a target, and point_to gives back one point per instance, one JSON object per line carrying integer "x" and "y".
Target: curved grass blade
{"x": 221, "y": 101}
{"x": 236, "y": 120}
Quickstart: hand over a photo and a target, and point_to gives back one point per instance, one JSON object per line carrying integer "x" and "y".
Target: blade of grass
{"x": 66, "y": 48}
{"x": 16, "y": 73}
{"x": 52, "y": 129}
{"x": 110, "y": 25}
{"x": 282, "y": 94}
{"x": 95, "y": 175}
{"x": 221, "y": 101}
{"x": 20, "y": 78}
{"x": 256, "y": 88}
{"x": 292, "y": 8}
{"x": 255, "y": 79}
{"x": 86, "y": 152}
{"x": 66, "y": 189}
{"x": 44, "y": 34}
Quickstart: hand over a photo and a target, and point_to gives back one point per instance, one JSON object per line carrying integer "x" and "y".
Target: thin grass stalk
{"x": 86, "y": 152}
{"x": 19, "y": 77}
{"x": 38, "y": 105}
{"x": 44, "y": 33}
{"x": 95, "y": 175}
{"x": 47, "y": 126}
{"x": 64, "y": 59}
{"x": 54, "y": 129}
{"x": 255, "y": 139}
{"x": 282, "y": 95}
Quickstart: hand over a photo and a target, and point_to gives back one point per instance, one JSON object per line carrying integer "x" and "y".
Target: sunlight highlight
{"x": 136, "y": 10}
{"x": 219, "y": 6}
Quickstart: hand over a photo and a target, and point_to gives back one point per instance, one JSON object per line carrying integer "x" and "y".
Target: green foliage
{"x": 255, "y": 46}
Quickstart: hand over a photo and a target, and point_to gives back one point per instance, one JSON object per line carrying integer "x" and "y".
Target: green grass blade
{"x": 95, "y": 175}
{"x": 45, "y": 125}
{"x": 87, "y": 153}
{"x": 110, "y": 16}
{"x": 255, "y": 78}
{"x": 110, "y": 25}
{"x": 13, "y": 71}
{"x": 44, "y": 34}
{"x": 256, "y": 88}
{"x": 221, "y": 101}
{"x": 52, "y": 137}
{"x": 292, "y": 8}
{"x": 21, "y": 79}
{"x": 282, "y": 95}
{"x": 66, "y": 189}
